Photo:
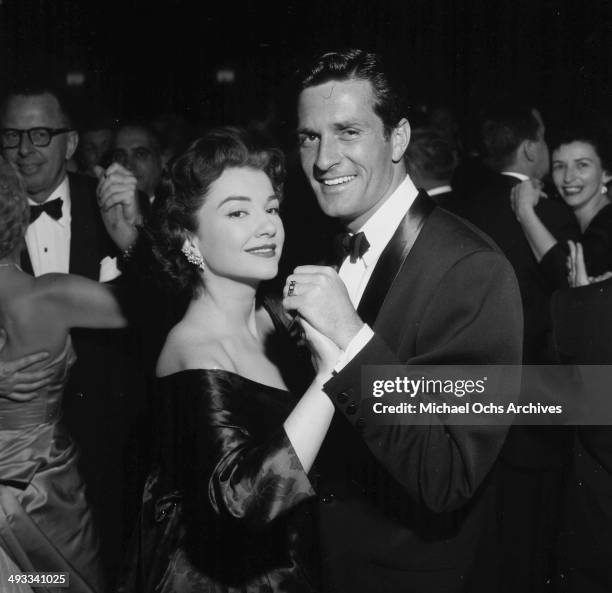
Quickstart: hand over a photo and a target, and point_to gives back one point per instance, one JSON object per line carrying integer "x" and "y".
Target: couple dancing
{"x": 237, "y": 490}
{"x": 235, "y": 502}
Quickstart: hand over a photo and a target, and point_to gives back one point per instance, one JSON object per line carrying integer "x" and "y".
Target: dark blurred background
{"x": 226, "y": 62}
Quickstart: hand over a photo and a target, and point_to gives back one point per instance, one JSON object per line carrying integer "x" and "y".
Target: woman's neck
{"x": 588, "y": 211}
{"x": 230, "y": 303}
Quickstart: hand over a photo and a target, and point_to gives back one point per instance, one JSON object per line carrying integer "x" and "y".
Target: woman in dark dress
{"x": 581, "y": 168}
{"x": 227, "y": 507}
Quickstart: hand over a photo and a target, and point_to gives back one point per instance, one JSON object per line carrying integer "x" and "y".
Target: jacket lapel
{"x": 393, "y": 257}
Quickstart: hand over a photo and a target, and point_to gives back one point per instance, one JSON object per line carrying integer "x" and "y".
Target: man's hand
{"x": 16, "y": 383}
{"x": 320, "y": 297}
{"x": 525, "y": 196}
{"x": 118, "y": 201}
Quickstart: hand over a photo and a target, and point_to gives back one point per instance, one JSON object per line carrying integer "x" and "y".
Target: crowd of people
{"x": 183, "y": 335}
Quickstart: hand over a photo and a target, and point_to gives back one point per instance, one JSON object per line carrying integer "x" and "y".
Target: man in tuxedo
{"x": 513, "y": 137}
{"x": 402, "y": 508}
{"x": 66, "y": 234}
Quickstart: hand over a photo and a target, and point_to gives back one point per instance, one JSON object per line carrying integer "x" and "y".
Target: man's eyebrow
{"x": 305, "y": 130}
{"x": 341, "y": 125}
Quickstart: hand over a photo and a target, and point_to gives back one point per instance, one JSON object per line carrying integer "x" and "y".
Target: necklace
{"x": 11, "y": 264}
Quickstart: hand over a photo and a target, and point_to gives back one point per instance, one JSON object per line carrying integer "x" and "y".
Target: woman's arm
{"x": 82, "y": 302}
{"x": 525, "y": 196}
{"x": 309, "y": 421}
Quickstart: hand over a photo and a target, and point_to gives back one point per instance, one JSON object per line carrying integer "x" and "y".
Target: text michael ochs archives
{"x": 485, "y": 394}
{"x": 412, "y": 387}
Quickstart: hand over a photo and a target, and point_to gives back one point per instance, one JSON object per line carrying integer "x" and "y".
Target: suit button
{"x": 360, "y": 424}
{"x": 328, "y": 497}
{"x": 351, "y": 409}
{"x": 342, "y": 397}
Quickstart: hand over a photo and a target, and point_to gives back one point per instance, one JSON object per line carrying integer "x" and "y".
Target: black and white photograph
{"x": 310, "y": 296}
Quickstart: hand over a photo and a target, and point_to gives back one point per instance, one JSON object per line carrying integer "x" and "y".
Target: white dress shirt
{"x": 47, "y": 239}
{"x": 518, "y": 176}
{"x": 378, "y": 229}
{"x": 440, "y": 189}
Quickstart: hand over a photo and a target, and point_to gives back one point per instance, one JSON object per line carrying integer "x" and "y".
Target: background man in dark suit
{"x": 66, "y": 234}
{"x": 403, "y": 508}
{"x": 513, "y": 137}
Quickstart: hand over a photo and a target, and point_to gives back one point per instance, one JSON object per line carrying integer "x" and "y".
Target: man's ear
{"x": 400, "y": 137}
{"x": 528, "y": 149}
{"x": 71, "y": 143}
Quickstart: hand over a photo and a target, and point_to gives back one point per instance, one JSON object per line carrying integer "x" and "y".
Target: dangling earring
{"x": 604, "y": 189}
{"x": 193, "y": 257}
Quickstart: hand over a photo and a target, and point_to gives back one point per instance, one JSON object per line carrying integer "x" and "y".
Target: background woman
{"x": 236, "y": 442}
{"x": 45, "y": 523}
{"x": 581, "y": 169}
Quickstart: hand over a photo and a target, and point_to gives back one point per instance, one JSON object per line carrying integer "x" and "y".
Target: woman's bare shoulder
{"x": 187, "y": 347}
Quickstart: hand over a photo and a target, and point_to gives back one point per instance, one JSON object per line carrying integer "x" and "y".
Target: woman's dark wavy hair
{"x": 184, "y": 190}
{"x": 14, "y": 209}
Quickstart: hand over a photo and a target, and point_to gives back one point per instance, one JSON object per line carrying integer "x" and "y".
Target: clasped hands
{"x": 118, "y": 200}
{"x": 326, "y": 313}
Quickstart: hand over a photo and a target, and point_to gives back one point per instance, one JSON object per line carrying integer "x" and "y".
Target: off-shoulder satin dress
{"x": 246, "y": 521}
{"x": 45, "y": 523}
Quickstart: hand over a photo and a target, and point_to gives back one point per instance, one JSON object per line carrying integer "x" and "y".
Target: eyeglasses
{"x": 39, "y": 137}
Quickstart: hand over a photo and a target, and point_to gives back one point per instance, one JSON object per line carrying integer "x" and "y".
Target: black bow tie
{"x": 53, "y": 208}
{"x": 353, "y": 245}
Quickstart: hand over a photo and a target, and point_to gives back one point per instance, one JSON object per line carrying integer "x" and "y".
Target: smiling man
{"x": 403, "y": 508}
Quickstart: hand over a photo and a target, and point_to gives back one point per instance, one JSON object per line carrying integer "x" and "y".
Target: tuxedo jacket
{"x": 402, "y": 507}
{"x": 97, "y": 388}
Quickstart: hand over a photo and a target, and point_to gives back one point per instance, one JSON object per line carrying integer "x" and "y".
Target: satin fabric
{"x": 45, "y": 523}
{"x": 229, "y": 490}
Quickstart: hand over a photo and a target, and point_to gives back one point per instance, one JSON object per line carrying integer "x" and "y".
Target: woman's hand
{"x": 525, "y": 196}
{"x": 576, "y": 268}
{"x": 325, "y": 353}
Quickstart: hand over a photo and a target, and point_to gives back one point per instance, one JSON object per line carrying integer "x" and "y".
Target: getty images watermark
{"x": 488, "y": 394}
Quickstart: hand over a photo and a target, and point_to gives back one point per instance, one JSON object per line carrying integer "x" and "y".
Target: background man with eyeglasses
{"x": 66, "y": 234}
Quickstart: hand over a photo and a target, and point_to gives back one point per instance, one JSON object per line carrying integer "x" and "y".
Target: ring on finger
{"x": 291, "y": 288}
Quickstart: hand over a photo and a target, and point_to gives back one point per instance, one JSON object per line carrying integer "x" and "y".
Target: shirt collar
{"x": 518, "y": 176}
{"x": 441, "y": 189}
{"x": 381, "y": 226}
{"x": 61, "y": 191}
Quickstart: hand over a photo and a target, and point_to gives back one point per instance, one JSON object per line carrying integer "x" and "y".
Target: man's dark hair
{"x": 503, "y": 128}
{"x": 431, "y": 154}
{"x": 29, "y": 88}
{"x": 144, "y": 126}
{"x": 357, "y": 64}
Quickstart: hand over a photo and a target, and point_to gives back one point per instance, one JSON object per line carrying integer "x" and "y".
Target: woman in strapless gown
{"x": 45, "y": 522}
{"x": 227, "y": 508}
